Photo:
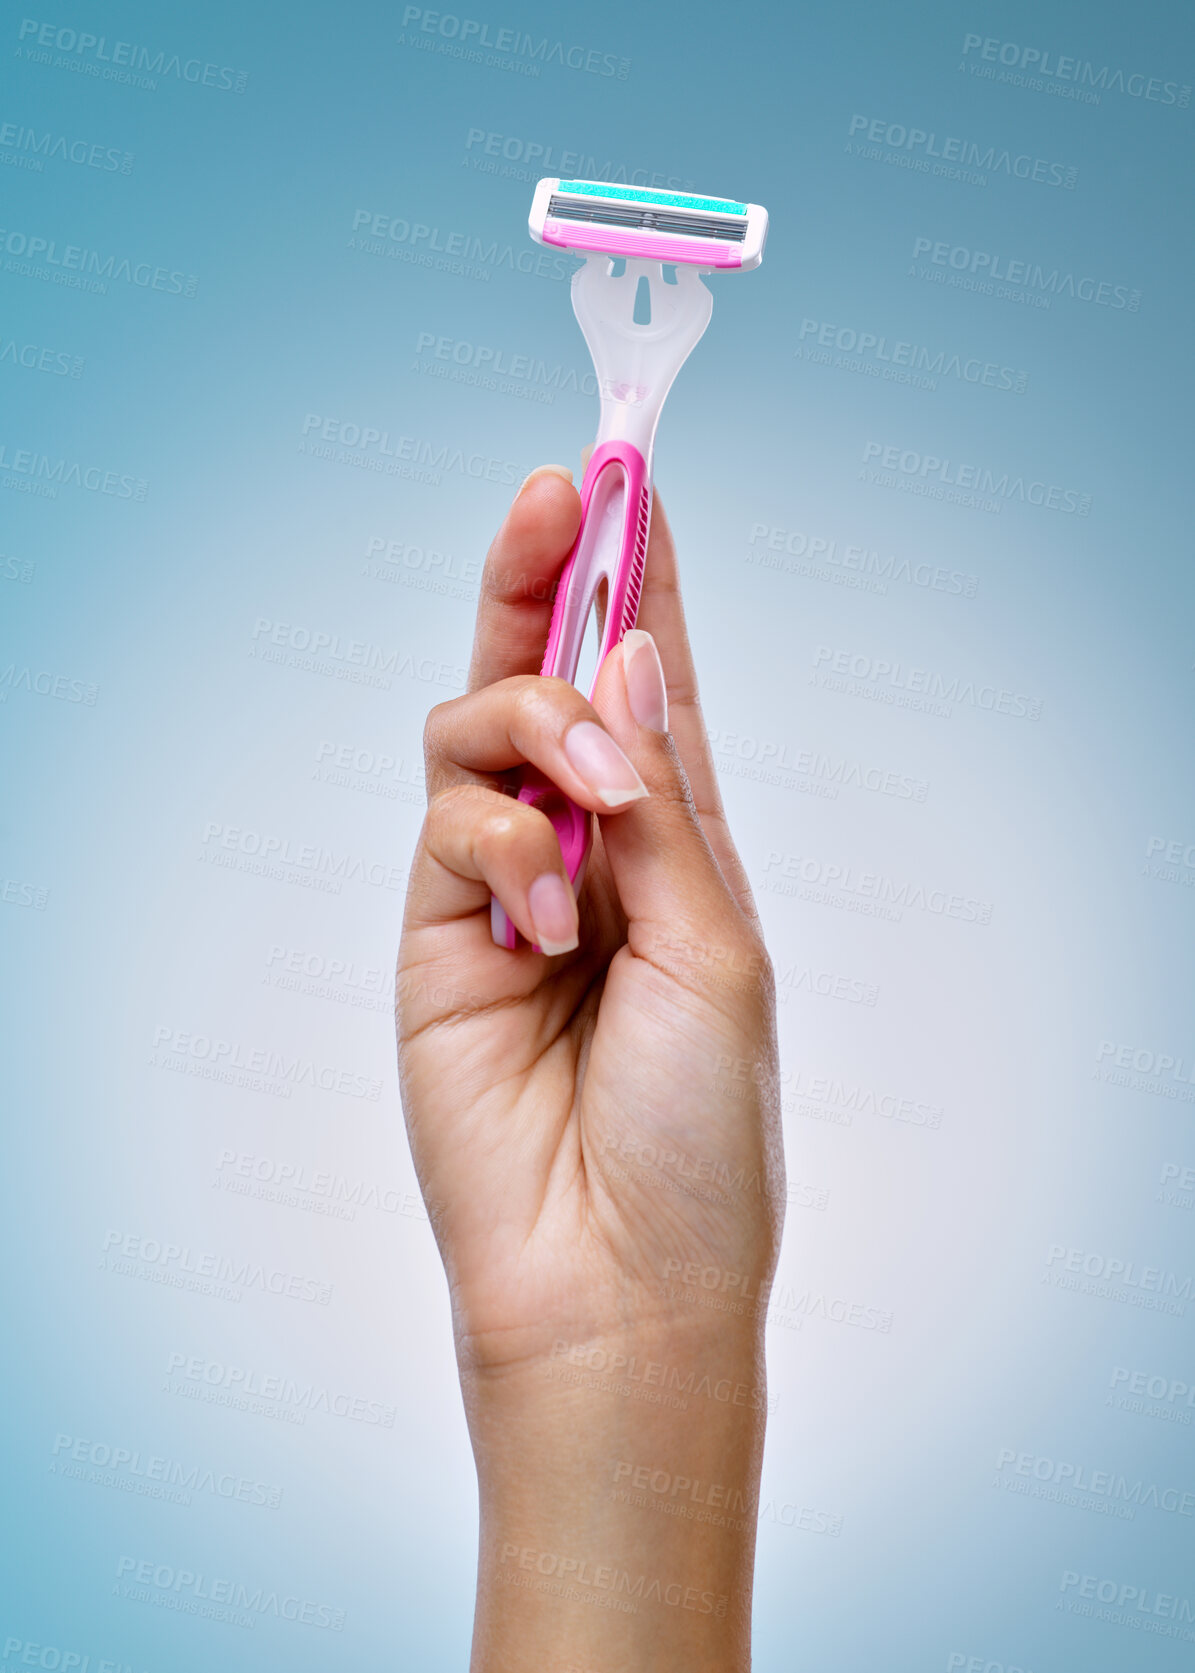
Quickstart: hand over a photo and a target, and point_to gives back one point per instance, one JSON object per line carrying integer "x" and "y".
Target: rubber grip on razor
{"x": 611, "y": 544}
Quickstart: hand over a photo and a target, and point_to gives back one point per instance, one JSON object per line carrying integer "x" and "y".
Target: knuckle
{"x": 766, "y": 970}
{"x": 551, "y": 696}
{"x": 440, "y": 806}
{"x": 678, "y": 790}
{"x": 496, "y": 831}
{"x": 457, "y": 801}
{"x": 673, "y": 790}
{"x": 533, "y": 701}
{"x": 504, "y": 583}
{"x": 737, "y": 947}
{"x": 523, "y": 689}
{"x": 509, "y": 829}
{"x": 493, "y": 588}
{"x": 561, "y": 690}
{"x": 434, "y": 728}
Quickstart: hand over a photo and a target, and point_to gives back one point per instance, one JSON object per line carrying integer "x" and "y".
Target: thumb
{"x": 681, "y": 914}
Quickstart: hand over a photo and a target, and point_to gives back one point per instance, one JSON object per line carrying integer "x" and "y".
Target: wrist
{"x": 693, "y": 1377}
{"x": 619, "y": 1491}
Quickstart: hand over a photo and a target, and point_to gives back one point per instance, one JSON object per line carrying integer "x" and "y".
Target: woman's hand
{"x": 592, "y": 1124}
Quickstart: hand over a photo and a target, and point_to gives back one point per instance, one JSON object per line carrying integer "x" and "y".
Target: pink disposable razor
{"x": 641, "y": 303}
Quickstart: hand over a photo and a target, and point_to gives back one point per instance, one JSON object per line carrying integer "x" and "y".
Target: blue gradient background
{"x": 116, "y": 808}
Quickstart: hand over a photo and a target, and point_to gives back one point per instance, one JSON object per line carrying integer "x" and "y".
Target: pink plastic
{"x": 588, "y": 563}
{"x": 616, "y": 468}
{"x": 656, "y": 246}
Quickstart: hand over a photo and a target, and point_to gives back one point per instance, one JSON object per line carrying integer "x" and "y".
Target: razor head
{"x": 643, "y": 223}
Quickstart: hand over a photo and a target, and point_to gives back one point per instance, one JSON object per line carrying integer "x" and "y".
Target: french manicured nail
{"x": 545, "y": 470}
{"x": 646, "y": 692}
{"x": 603, "y": 766}
{"x": 553, "y": 913}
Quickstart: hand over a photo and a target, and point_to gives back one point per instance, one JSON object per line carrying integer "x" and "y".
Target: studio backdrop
{"x": 276, "y": 351}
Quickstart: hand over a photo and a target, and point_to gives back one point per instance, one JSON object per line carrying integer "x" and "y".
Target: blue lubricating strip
{"x": 677, "y": 200}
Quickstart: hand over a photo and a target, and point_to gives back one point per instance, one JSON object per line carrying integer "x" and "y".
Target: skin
{"x": 584, "y": 1127}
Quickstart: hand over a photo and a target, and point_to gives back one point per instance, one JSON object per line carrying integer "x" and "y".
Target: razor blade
{"x": 593, "y": 216}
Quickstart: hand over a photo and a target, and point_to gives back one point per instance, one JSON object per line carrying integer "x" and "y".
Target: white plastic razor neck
{"x": 636, "y": 364}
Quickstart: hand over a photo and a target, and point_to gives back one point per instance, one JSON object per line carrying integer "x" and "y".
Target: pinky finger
{"x": 478, "y": 842}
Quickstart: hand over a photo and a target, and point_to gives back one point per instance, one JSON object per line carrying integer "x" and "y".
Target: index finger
{"x": 518, "y": 584}
{"x": 514, "y": 611}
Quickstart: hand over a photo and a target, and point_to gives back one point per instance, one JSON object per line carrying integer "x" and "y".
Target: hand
{"x": 591, "y": 1123}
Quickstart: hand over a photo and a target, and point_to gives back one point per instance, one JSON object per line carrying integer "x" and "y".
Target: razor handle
{"x": 611, "y": 545}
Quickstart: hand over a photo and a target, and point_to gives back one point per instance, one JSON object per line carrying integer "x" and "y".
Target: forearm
{"x": 619, "y": 1488}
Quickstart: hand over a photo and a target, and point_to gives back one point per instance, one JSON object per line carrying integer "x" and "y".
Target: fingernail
{"x": 603, "y": 766}
{"x": 554, "y": 914}
{"x": 541, "y": 470}
{"x": 646, "y": 692}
